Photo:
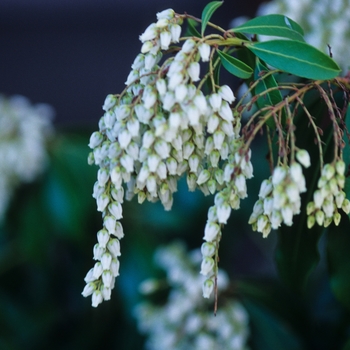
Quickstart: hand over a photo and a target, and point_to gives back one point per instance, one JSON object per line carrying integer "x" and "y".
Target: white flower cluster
{"x": 329, "y": 197}
{"x": 324, "y": 22}
{"x": 185, "y": 321}
{"x": 279, "y": 196}
{"x": 234, "y": 176}
{"x": 161, "y": 127}
{"x": 24, "y": 132}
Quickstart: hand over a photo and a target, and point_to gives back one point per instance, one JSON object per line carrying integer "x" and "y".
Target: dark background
{"x": 72, "y": 53}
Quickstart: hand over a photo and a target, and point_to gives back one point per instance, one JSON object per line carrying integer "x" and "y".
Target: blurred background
{"x": 70, "y": 54}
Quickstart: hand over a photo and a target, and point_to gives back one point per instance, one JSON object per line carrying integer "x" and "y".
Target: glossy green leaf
{"x": 297, "y": 58}
{"x": 274, "y": 25}
{"x": 338, "y": 249}
{"x": 271, "y": 98}
{"x": 191, "y": 28}
{"x": 235, "y": 66}
{"x": 208, "y": 12}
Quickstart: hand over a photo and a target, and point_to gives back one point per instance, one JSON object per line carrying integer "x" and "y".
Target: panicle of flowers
{"x": 25, "y": 130}
{"x": 185, "y": 321}
{"x": 232, "y": 180}
{"x": 279, "y": 196}
{"x": 159, "y": 128}
{"x": 329, "y": 196}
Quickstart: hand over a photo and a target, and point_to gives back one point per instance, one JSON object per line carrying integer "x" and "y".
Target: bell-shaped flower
{"x": 193, "y": 71}
{"x": 107, "y": 278}
{"x": 102, "y": 202}
{"x": 204, "y": 51}
{"x": 103, "y": 237}
{"x": 98, "y": 251}
{"x": 180, "y": 92}
{"x": 175, "y": 31}
{"x": 114, "y": 247}
{"x": 116, "y": 210}
{"x": 106, "y": 261}
{"x": 166, "y": 14}
{"x": 97, "y": 298}
{"x": 223, "y": 213}
{"x": 303, "y": 158}
{"x": 95, "y": 139}
{"x": 215, "y": 101}
{"x": 226, "y": 93}
{"x": 98, "y": 269}
{"x": 109, "y": 223}
{"x": 139, "y": 62}
{"x": 149, "y": 34}
{"x": 207, "y": 266}
{"x": 115, "y": 264}
{"x": 161, "y": 86}
{"x": 106, "y": 292}
{"x": 132, "y": 77}
{"x": 188, "y": 45}
{"x": 165, "y": 39}
{"x": 211, "y": 231}
{"x": 88, "y": 289}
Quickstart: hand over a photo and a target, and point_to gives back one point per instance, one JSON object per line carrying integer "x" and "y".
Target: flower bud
{"x": 226, "y": 93}
{"x": 223, "y": 212}
{"x": 95, "y": 139}
{"x": 102, "y": 238}
{"x": 88, "y": 289}
{"x": 319, "y": 216}
{"x": 211, "y": 231}
{"x": 193, "y": 71}
{"x": 328, "y": 171}
{"x": 203, "y": 177}
{"x": 204, "y": 51}
{"x": 207, "y": 288}
{"x": 165, "y": 39}
{"x": 175, "y": 31}
{"x": 303, "y": 158}
{"x": 310, "y": 221}
{"x": 98, "y": 269}
{"x": 114, "y": 247}
{"x": 340, "y": 167}
{"x": 96, "y": 298}
{"x": 188, "y": 45}
{"x": 207, "y": 266}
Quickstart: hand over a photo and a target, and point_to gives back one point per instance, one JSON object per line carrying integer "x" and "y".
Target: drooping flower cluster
{"x": 185, "y": 321}
{"x": 159, "y": 128}
{"x": 325, "y": 22}
{"x": 329, "y": 197}
{"x": 279, "y": 196}
{"x": 24, "y": 132}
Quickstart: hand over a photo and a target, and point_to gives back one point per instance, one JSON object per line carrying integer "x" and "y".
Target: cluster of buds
{"x": 159, "y": 128}
{"x": 185, "y": 320}
{"x": 329, "y": 197}
{"x": 279, "y": 196}
{"x": 25, "y": 130}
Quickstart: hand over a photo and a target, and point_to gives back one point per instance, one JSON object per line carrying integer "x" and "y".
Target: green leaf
{"x": 274, "y": 25}
{"x": 208, "y": 12}
{"x": 297, "y": 58}
{"x": 271, "y": 98}
{"x": 338, "y": 249}
{"x": 191, "y": 28}
{"x": 235, "y": 66}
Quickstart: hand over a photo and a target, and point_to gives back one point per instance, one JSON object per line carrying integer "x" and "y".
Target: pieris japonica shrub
{"x": 176, "y": 119}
